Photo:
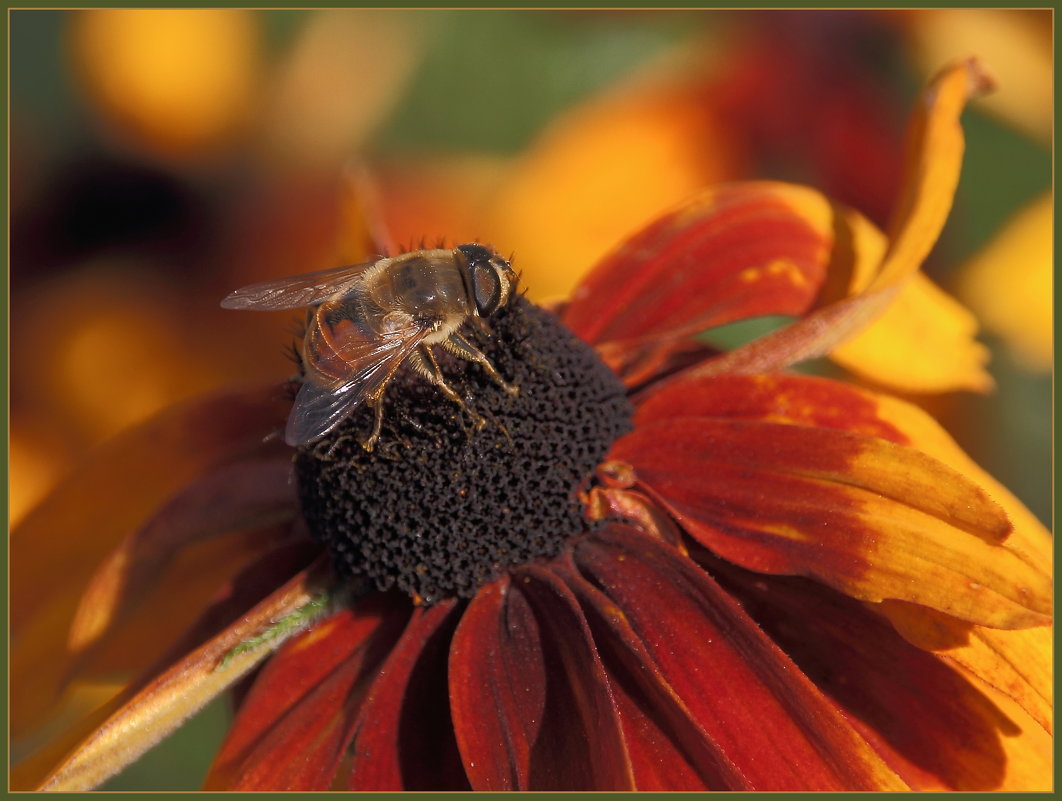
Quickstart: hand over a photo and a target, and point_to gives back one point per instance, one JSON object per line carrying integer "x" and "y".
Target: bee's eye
{"x": 487, "y": 289}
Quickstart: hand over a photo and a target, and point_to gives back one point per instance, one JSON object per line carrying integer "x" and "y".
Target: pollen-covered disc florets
{"x": 441, "y": 506}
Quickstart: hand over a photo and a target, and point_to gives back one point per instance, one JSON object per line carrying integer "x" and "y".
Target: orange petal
{"x": 1017, "y": 663}
{"x": 934, "y": 159}
{"x": 164, "y": 703}
{"x": 870, "y": 517}
{"x": 1028, "y": 539}
{"x": 823, "y": 403}
{"x": 908, "y": 702}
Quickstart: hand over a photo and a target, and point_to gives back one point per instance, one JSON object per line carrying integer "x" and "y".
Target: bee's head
{"x": 492, "y": 278}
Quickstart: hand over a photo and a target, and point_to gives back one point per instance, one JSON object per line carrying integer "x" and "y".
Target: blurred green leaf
{"x": 1002, "y": 170}
{"x": 490, "y": 79}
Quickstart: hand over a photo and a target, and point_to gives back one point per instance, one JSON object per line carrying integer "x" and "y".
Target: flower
{"x": 665, "y": 566}
{"x": 1009, "y": 285}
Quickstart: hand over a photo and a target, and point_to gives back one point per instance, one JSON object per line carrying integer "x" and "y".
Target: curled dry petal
{"x": 296, "y": 722}
{"x": 148, "y": 714}
{"x": 933, "y": 159}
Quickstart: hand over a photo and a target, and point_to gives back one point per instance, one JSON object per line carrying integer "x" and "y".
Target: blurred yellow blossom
{"x": 604, "y": 168}
{"x": 179, "y": 81}
{"x": 1015, "y": 43}
{"x": 1009, "y": 284}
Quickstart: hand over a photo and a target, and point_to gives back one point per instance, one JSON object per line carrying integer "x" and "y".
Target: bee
{"x": 364, "y": 321}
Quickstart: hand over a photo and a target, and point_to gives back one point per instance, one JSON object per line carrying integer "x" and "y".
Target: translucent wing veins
{"x": 300, "y": 290}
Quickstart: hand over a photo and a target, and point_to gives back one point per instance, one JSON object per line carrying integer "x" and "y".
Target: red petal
{"x": 910, "y": 703}
{"x": 532, "y": 706}
{"x": 272, "y": 569}
{"x": 802, "y": 400}
{"x": 769, "y": 721}
{"x": 657, "y": 760}
{"x": 296, "y": 721}
{"x": 737, "y": 251}
{"x": 668, "y": 747}
{"x": 404, "y": 738}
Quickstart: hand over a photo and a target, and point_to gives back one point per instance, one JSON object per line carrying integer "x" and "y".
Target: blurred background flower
{"x": 161, "y": 158}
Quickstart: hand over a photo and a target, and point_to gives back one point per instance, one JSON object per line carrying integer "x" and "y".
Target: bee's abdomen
{"x": 333, "y": 343}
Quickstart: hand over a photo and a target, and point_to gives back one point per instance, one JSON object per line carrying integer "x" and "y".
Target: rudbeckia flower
{"x": 658, "y": 566}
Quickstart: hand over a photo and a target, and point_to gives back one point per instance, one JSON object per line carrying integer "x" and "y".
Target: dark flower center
{"x": 441, "y": 506}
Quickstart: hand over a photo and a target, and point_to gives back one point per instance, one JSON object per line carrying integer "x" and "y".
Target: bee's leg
{"x": 423, "y": 361}
{"x": 377, "y": 422}
{"x": 459, "y": 346}
{"x": 376, "y": 402}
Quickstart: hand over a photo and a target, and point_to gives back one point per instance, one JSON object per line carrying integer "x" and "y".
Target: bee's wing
{"x": 318, "y": 409}
{"x": 297, "y": 290}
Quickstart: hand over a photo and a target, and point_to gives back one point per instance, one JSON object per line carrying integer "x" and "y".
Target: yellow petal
{"x": 1009, "y": 284}
{"x": 1029, "y": 749}
{"x": 923, "y": 342}
{"x": 1015, "y": 662}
